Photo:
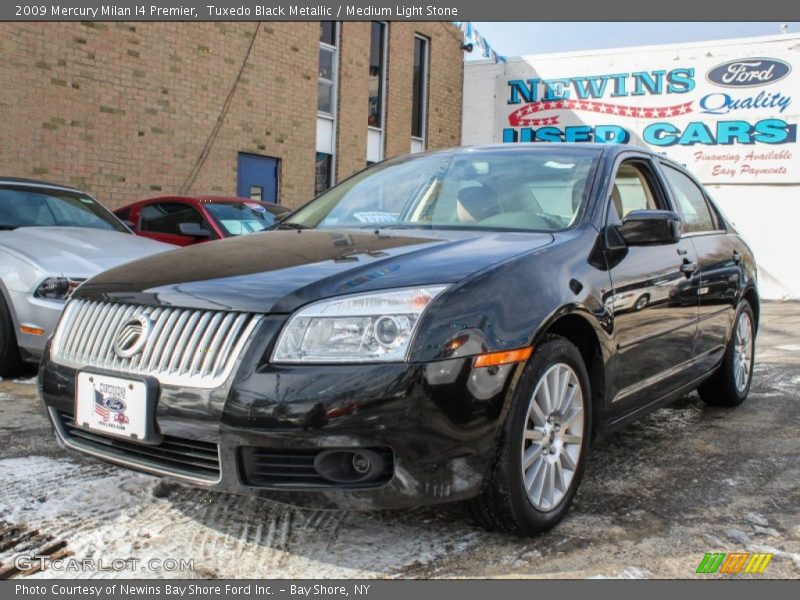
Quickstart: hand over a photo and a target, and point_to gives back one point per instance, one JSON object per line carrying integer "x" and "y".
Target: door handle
{"x": 688, "y": 267}
{"x": 737, "y": 257}
{"x": 682, "y": 251}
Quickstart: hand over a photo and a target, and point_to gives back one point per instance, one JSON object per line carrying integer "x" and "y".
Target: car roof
{"x": 34, "y": 183}
{"x": 609, "y": 149}
{"x": 201, "y": 199}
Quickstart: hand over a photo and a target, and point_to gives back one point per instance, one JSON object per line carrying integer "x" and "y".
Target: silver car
{"x": 52, "y": 238}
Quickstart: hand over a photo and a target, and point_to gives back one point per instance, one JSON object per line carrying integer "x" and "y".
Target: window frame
{"x": 652, "y": 176}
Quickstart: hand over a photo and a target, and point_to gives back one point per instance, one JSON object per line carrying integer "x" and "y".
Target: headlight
{"x": 57, "y": 288}
{"x": 373, "y": 327}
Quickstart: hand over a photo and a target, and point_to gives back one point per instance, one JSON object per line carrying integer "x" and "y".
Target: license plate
{"x": 112, "y": 405}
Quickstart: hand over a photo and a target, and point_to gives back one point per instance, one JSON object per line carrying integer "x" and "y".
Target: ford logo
{"x": 115, "y": 404}
{"x": 749, "y": 72}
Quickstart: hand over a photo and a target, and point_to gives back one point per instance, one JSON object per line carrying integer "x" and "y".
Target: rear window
{"x": 691, "y": 201}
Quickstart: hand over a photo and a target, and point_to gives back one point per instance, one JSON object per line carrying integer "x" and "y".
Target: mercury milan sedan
{"x": 457, "y": 325}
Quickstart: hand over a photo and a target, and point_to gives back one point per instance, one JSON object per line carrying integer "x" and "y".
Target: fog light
{"x": 361, "y": 463}
{"x": 345, "y": 465}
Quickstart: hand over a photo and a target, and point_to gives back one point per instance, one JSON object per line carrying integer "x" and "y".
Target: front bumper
{"x": 436, "y": 424}
{"x": 38, "y": 313}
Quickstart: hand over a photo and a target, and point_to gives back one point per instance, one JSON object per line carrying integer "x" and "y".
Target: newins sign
{"x": 728, "y": 118}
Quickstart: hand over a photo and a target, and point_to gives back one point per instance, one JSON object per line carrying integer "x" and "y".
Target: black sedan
{"x": 457, "y": 325}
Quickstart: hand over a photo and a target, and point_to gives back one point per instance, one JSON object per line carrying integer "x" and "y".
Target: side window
{"x": 632, "y": 190}
{"x": 691, "y": 202}
{"x": 123, "y": 214}
{"x": 164, "y": 217}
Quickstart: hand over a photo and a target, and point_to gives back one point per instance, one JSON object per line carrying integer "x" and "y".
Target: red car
{"x": 186, "y": 220}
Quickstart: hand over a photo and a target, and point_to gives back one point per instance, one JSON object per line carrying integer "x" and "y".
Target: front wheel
{"x": 544, "y": 447}
{"x": 10, "y": 360}
{"x": 730, "y": 385}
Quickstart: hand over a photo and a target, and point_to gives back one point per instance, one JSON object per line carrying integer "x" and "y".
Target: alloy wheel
{"x": 552, "y": 437}
{"x": 743, "y": 352}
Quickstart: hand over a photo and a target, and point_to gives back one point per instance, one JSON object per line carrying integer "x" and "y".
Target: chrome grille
{"x": 194, "y": 348}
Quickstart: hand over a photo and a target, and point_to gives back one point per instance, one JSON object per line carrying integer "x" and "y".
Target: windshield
{"x": 53, "y": 208}
{"x": 240, "y": 219}
{"x": 535, "y": 190}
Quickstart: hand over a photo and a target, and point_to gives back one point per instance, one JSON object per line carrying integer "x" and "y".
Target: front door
{"x": 653, "y": 300}
{"x": 257, "y": 177}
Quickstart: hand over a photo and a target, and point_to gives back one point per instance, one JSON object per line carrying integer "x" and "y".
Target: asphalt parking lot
{"x": 658, "y": 495}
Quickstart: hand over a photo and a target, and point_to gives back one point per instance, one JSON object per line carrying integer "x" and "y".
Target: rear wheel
{"x": 730, "y": 385}
{"x": 642, "y": 301}
{"x": 545, "y": 441}
{"x": 10, "y": 360}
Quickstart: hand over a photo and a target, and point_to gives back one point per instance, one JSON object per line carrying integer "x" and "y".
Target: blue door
{"x": 257, "y": 177}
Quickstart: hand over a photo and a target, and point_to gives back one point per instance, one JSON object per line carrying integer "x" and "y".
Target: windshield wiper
{"x": 8, "y": 227}
{"x": 293, "y": 226}
{"x": 408, "y": 226}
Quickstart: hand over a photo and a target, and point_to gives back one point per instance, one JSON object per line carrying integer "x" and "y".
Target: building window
{"x": 323, "y": 173}
{"x": 419, "y": 94}
{"x": 327, "y": 82}
{"x": 377, "y": 87}
{"x": 376, "y": 74}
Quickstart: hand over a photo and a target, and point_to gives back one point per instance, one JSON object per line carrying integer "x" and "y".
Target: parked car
{"x": 186, "y": 220}
{"x": 467, "y": 348}
{"x": 52, "y": 238}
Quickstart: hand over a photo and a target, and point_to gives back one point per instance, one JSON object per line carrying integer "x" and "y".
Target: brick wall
{"x": 126, "y": 110}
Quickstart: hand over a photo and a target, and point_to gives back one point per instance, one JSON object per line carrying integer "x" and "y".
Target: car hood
{"x": 76, "y": 251}
{"x": 277, "y": 271}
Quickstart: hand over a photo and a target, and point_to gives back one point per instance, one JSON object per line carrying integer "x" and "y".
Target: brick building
{"x": 277, "y": 109}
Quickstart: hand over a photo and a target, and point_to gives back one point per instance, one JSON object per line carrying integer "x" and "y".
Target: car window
{"x": 165, "y": 217}
{"x": 241, "y": 218}
{"x": 537, "y": 190}
{"x": 53, "y": 208}
{"x": 691, "y": 202}
{"x": 632, "y": 190}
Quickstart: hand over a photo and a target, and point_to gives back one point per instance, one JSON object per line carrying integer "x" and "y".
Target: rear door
{"x": 719, "y": 259}
{"x": 652, "y": 300}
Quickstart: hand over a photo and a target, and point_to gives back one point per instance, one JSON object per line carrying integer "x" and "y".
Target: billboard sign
{"x": 729, "y": 112}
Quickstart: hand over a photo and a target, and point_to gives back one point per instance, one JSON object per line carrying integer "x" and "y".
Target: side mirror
{"x": 195, "y": 230}
{"x": 649, "y": 228}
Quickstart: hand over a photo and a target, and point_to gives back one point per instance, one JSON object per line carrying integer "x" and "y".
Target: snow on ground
{"x": 657, "y": 496}
{"x": 114, "y": 513}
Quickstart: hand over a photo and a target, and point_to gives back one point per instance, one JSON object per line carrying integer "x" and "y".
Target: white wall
{"x": 769, "y": 219}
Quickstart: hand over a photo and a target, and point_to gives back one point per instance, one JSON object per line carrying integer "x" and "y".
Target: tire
{"x": 641, "y": 302}
{"x": 10, "y": 360}
{"x": 727, "y": 387}
{"x": 504, "y": 503}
